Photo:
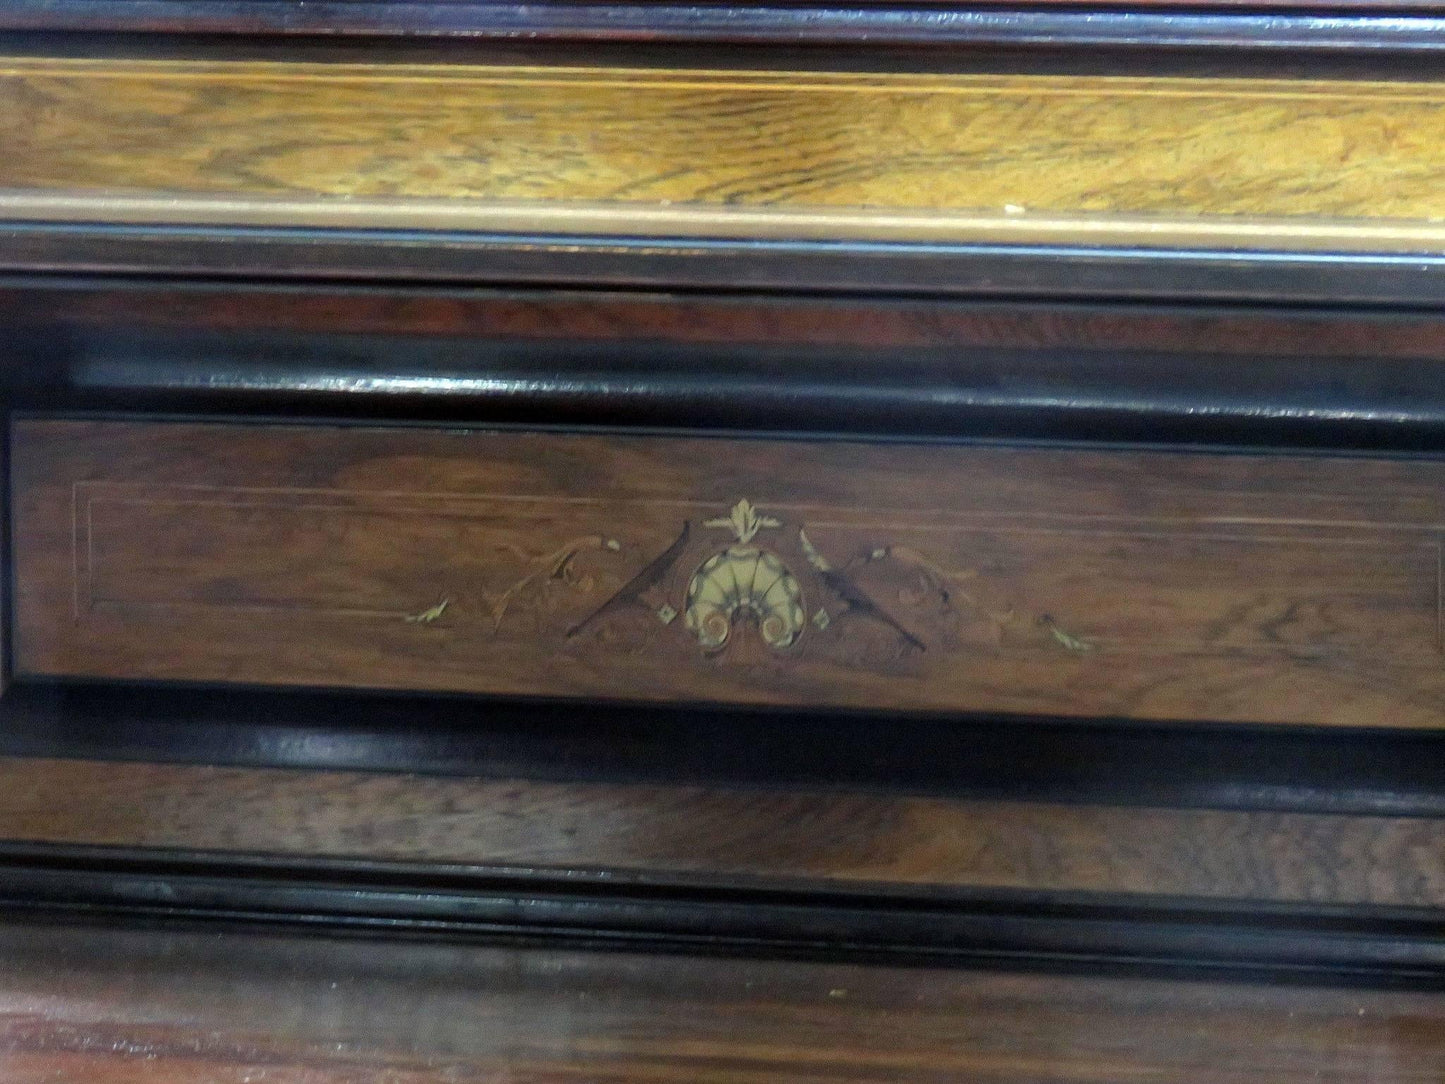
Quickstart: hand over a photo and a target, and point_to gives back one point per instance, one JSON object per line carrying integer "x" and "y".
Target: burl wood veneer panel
{"x": 1146, "y": 585}
{"x": 109, "y": 1006}
{"x": 1264, "y": 163}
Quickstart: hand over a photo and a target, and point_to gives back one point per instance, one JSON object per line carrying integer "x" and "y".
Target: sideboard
{"x": 949, "y": 495}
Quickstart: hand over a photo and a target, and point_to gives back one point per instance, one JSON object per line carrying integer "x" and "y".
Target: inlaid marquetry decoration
{"x": 1134, "y": 584}
{"x": 769, "y": 587}
{"x": 1145, "y": 160}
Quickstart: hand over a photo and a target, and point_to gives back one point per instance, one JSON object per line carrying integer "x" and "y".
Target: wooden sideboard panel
{"x": 1138, "y": 584}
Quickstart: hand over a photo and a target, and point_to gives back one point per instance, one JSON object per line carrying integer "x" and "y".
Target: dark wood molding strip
{"x": 1379, "y": 773}
{"x": 713, "y": 835}
{"x": 749, "y": 362}
{"x": 1403, "y": 27}
{"x": 944, "y": 271}
{"x": 482, "y": 905}
{"x": 78, "y": 308}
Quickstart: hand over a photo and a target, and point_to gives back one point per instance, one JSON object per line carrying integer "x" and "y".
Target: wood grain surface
{"x": 704, "y": 835}
{"x": 1263, "y": 163}
{"x": 1244, "y": 335}
{"x": 121, "y": 1007}
{"x": 1151, "y": 585}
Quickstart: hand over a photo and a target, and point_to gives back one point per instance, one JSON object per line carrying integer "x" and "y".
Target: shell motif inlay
{"x": 744, "y": 583}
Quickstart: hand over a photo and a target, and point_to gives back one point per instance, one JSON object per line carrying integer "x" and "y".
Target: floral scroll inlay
{"x": 771, "y": 581}
{"x": 878, "y": 604}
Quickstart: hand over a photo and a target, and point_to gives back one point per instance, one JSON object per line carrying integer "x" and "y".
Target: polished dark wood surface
{"x": 1283, "y": 26}
{"x": 1149, "y": 585}
{"x": 107, "y": 1006}
{"x": 703, "y": 835}
{"x": 1199, "y": 374}
{"x": 1369, "y": 772}
{"x": 74, "y": 310}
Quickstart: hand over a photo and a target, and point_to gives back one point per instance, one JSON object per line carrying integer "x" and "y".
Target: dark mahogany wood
{"x": 712, "y": 835}
{"x": 122, "y": 1007}
{"x": 1146, "y": 585}
{"x": 83, "y": 312}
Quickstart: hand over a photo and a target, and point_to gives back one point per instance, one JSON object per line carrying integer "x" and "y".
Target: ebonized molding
{"x": 1404, "y": 27}
{"x": 1292, "y": 770}
{"x": 725, "y": 362}
{"x": 462, "y": 905}
{"x": 453, "y": 260}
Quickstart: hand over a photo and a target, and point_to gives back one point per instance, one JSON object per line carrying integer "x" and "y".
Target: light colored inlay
{"x": 1249, "y": 163}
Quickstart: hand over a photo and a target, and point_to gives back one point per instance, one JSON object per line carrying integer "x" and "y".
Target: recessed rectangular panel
{"x": 1136, "y": 584}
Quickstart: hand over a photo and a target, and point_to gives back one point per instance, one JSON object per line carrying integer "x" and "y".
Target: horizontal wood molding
{"x": 1263, "y": 164}
{"x": 109, "y": 1006}
{"x": 852, "y": 841}
{"x": 83, "y": 308}
{"x": 750, "y": 362}
{"x": 1056, "y": 582}
{"x": 1232, "y": 26}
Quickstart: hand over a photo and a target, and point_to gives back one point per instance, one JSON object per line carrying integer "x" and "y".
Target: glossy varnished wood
{"x": 1253, "y": 163}
{"x": 1404, "y": 25}
{"x": 1395, "y": 773}
{"x": 1204, "y": 373}
{"x": 1148, "y": 585}
{"x": 713, "y": 835}
{"x": 73, "y": 311}
{"x": 117, "y": 1006}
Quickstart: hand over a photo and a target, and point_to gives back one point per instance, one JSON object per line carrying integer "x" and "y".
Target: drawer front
{"x": 1147, "y": 585}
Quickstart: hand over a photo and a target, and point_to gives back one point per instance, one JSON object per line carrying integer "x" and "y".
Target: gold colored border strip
{"x": 698, "y": 223}
{"x": 785, "y": 81}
